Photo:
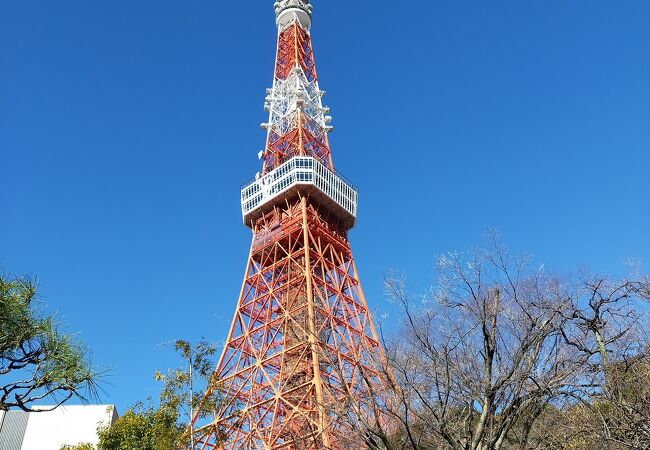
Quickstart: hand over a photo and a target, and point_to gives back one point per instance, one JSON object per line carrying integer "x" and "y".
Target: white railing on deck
{"x": 300, "y": 170}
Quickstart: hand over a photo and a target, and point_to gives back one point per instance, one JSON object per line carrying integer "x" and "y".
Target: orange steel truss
{"x": 294, "y": 48}
{"x": 302, "y": 342}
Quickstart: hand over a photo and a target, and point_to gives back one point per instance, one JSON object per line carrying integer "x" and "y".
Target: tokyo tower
{"x": 302, "y": 342}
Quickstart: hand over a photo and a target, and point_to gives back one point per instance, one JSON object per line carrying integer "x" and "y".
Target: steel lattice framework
{"x": 302, "y": 342}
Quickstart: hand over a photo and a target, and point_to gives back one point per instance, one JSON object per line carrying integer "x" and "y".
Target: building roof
{"x": 50, "y": 430}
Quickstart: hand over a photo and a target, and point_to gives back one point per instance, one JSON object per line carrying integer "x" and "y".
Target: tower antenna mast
{"x": 302, "y": 341}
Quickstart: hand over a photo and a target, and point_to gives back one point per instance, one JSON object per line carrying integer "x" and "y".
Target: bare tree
{"x": 606, "y": 326}
{"x": 498, "y": 350}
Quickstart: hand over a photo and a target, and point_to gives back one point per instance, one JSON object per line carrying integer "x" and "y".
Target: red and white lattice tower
{"x": 302, "y": 341}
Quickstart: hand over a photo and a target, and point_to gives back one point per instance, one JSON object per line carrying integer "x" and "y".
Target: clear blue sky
{"x": 126, "y": 129}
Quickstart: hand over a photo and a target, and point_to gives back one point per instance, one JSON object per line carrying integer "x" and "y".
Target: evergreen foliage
{"x": 37, "y": 361}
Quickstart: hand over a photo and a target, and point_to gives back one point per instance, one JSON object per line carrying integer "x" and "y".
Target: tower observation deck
{"x": 302, "y": 351}
{"x": 297, "y": 156}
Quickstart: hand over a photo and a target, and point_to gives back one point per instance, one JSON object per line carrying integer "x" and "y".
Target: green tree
{"x": 37, "y": 361}
{"x": 84, "y": 446}
{"x": 143, "y": 428}
{"x": 162, "y": 427}
{"x": 184, "y": 387}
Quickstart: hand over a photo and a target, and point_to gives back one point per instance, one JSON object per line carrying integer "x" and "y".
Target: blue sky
{"x": 126, "y": 130}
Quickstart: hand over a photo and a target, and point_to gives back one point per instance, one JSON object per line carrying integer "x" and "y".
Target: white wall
{"x": 66, "y": 425}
